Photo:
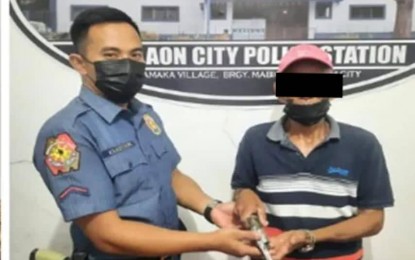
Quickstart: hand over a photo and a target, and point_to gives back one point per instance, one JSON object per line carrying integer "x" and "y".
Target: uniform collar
{"x": 277, "y": 133}
{"x": 105, "y": 108}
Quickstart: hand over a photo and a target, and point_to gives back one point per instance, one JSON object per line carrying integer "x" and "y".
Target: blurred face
{"x": 306, "y": 66}
{"x": 107, "y": 41}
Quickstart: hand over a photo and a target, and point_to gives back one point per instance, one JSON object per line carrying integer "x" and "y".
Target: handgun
{"x": 263, "y": 243}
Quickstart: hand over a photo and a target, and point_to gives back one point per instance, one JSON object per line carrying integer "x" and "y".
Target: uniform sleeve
{"x": 174, "y": 154}
{"x": 244, "y": 175}
{"x": 74, "y": 173}
{"x": 374, "y": 190}
{"x": 176, "y": 158}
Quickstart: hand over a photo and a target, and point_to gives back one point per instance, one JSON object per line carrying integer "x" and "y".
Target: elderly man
{"x": 324, "y": 184}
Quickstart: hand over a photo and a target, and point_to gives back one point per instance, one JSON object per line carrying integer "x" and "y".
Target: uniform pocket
{"x": 132, "y": 177}
{"x": 124, "y": 162}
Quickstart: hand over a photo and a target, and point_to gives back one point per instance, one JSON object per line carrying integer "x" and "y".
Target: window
{"x": 218, "y": 11}
{"x": 160, "y": 14}
{"x": 374, "y": 12}
{"x": 323, "y": 10}
{"x": 77, "y": 9}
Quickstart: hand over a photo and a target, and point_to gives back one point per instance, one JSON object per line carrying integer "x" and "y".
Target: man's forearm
{"x": 189, "y": 194}
{"x": 238, "y": 192}
{"x": 366, "y": 223}
{"x": 132, "y": 238}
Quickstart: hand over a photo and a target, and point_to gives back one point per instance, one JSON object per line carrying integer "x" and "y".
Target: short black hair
{"x": 86, "y": 19}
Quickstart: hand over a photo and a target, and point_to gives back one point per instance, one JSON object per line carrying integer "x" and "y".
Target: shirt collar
{"x": 105, "y": 108}
{"x": 277, "y": 133}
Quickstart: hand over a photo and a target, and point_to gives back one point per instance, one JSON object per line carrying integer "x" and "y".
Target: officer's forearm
{"x": 113, "y": 235}
{"x": 189, "y": 193}
{"x": 366, "y": 223}
{"x": 146, "y": 240}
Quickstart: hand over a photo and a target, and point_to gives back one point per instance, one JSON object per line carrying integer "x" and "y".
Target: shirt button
{"x": 130, "y": 164}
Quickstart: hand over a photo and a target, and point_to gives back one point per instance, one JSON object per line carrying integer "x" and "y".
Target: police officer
{"x": 109, "y": 163}
{"x": 324, "y": 184}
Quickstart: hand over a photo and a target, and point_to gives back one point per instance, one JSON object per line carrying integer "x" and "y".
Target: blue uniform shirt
{"x": 95, "y": 156}
{"x": 346, "y": 172}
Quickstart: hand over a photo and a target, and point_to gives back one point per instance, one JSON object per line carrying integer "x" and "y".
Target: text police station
{"x": 270, "y": 55}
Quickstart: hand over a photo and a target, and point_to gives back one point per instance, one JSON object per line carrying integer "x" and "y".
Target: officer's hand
{"x": 224, "y": 216}
{"x": 236, "y": 242}
{"x": 248, "y": 203}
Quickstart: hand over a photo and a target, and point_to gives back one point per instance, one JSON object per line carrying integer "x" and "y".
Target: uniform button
{"x": 130, "y": 164}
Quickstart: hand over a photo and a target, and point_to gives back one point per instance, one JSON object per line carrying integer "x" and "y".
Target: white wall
{"x": 218, "y": 26}
{"x": 207, "y": 138}
{"x": 191, "y": 15}
{"x": 340, "y": 21}
{"x": 250, "y": 29}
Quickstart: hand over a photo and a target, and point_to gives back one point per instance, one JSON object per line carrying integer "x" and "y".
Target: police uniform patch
{"x": 61, "y": 154}
{"x": 73, "y": 189}
{"x": 154, "y": 127}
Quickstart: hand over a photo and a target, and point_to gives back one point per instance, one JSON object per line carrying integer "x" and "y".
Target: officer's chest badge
{"x": 152, "y": 125}
{"x": 61, "y": 154}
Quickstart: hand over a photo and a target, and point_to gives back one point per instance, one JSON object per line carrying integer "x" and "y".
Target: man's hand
{"x": 223, "y": 215}
{"x": 287, "y": 242}
{"x": 235, "y": 242}
{"x": 247, "y": 204}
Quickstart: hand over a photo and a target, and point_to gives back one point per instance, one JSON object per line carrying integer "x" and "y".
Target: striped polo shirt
{"x": 347, "y": 171}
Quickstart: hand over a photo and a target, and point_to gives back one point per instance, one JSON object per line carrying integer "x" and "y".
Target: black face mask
{"x": 307, "y": 115}
{"x": 119, "y": 80}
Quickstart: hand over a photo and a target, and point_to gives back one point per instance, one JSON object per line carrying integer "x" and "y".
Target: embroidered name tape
{"x": 117, "y": 149}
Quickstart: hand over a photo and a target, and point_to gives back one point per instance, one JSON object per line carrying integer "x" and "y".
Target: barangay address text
{"x": 230, "y": 74}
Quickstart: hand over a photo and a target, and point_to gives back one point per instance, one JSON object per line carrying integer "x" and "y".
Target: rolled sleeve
{"x": 84, "y": 187}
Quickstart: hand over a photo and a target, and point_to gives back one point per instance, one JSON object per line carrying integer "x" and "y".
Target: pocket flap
{"x": 124, "y": 161}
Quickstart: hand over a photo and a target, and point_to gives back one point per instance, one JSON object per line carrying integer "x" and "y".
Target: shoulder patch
{"x": 152, "y": 125}
{"x": 61, "y": 154}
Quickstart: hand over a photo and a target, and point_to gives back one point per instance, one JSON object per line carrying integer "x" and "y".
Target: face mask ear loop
{"x": 90, "y": 62}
